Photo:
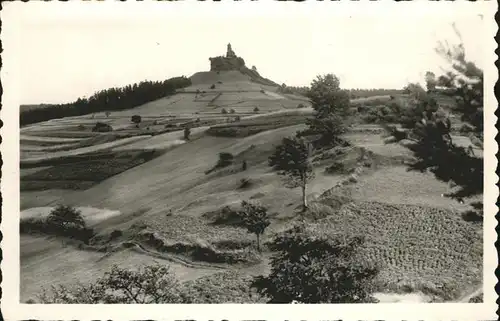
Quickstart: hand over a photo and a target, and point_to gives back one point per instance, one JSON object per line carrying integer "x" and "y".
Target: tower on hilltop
{"x": 230, "y": 53}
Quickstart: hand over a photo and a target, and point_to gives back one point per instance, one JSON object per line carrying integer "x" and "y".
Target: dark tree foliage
{"x": 150, "y": 284}
{"x": 66, "y": 216}
{"x": 136, "y": 119}
{"x": 291, "y": 160}
{"x": 312, "y": 268}
{"x": 429, "y": 127}
{"x": 327, "y": 97}
{"x": 255, "y": 219}
{"x": 107, "y": 100}
{"x": 187, "y": 132}
{"x": 331, "y": 105}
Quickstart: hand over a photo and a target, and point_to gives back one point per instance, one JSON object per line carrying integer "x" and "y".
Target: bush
{"x": 256, "y": 110}
{"x": 81, "y": 127}
{"x": 102, "y": 127}
{"x": 237, "y": 118}
{"x": 300, "y": 106}
{"x": 225, "y": 159}
{"x": 231, "y": 111}
{"x": 64, "y": 217}
{"x": 212, "y": 87}
{"x": 223, "y": 111}
{"x": 245, "y": 183}
{"x": 115, "y": 234}
{"x": 262, "y": 91}
{"x": 335, "y": 168}
{"x": 219, "y": 82}
{"x": 62, "y": 221}
{"x": 136, "y": 119}
{"x": 302, "y": 253}
{"x": 150, "y": 284}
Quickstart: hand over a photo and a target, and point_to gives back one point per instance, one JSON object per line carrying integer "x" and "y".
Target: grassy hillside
{"x": 170, "y": 201}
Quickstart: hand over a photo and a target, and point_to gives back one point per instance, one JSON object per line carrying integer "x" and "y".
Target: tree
{"x": 64, "y": 217}
{"x": 331, "y": 105}
{"x": 327, "y": 97}
{"x": 107, "y": 113}
{"x": 430, "y": 81}
{"x": 311, "y": 267}
{"x": 187, "y": 132}
{"x": 329, "y": 128}
{"x": 291, "y": 160}
{"x": 430, "y": 128}
{"x": 136, "y": 119}
{"x": 255, "y": 219}
{"x": 256, "y": 110}
{"x": 150, "y": 284}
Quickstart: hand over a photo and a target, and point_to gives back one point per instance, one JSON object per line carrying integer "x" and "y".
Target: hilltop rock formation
{"x": 232, "y": 62}
{"x": 229, "y": 62}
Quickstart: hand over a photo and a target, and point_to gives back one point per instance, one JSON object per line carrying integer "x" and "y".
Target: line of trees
{"x": 107, "y": 100}
{"x": 353, "y": 93}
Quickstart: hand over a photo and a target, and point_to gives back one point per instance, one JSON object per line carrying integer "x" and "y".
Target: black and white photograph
{"x": 184, "y": 154}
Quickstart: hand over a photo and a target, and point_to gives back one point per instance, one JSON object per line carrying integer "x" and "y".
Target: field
{"x": 156, "y": 186}
{"x": 420, "y": 248}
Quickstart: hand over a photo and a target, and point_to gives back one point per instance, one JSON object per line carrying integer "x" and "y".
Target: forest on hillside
{"x": 106, "y": 100}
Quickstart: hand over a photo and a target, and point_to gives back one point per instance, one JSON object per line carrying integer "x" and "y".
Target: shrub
{"x": 136, "y": 119}
{"x": 245, "y": 183}
{"x": 223, "y": 111}
{"x": 300, "y": 106}
{"x": 335, "y": 168}
{"x": 244, "y": 165}
{"x": 102, "y": 127}
{"x": 187, "y": 132}
{"x": 81, "y": 127}
{"x": 263, "y": 91}
{"x": 237, "y": 118}
{"x": 231, "y": 111}
{"x": 115, "y": 234}
{"x": 312, "y": 268}
{"x": 219, "y": 82}
{"x": 256, "y": 110}
{"x": 212, "y": 87}
{"x": 224, "y": 216}
{"x": 64, "y": 217}
{"x": 150, "y": 284}
{"x": 62, "y": 221}
{"x": 225, "y": 159}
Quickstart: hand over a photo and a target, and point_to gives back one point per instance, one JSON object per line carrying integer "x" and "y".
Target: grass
{"x": 250, "y": 127}
{"x": 419, "y": 248}
{"x": 194, "y": 238}
{"x": 222, "y": 287}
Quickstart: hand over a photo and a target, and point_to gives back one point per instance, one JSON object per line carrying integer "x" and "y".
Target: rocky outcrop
{"x": 229, "y": 62}
{"x": 232, "y": 62}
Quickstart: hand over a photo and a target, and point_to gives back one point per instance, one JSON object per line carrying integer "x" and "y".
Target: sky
{"x": 63, "y": 55}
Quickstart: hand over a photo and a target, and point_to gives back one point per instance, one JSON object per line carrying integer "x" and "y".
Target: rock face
{"x": 229, "y": 62}
{"x": 232, "y": 62}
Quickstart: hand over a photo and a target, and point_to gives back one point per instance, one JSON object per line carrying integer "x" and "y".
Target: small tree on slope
{"x": 291, "y": 160}
{"x": 63, "y": 217}
{"x": 331, "y": 105}
{"x": 311, "y": 268}
{"x": 255, "y": 219}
